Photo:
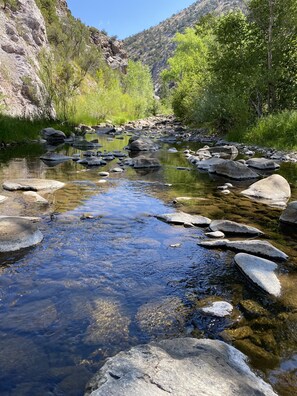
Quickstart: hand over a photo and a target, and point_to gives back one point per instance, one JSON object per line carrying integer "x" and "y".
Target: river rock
{"x": 181, "y": 367}
{"x": 290, "y": 214}
{"x": 146, "y": 162}
{"x": 54, "y": 157}
{"x": 233, "y": 170}
{"x": 32, "y": 184}
{"x": 219, "y": 309}
{"x": 104, "y": 174}
{"x": 262, "y": 163}
{"x": 260, "y": 271}
{"x": 181, "y": 218}
{"x": 17, "y": 233}
{"x": 2, "y": 198}
{"x": 252, "y": 310}
{"x": 226, "y": 152}
{"x": 208, "y": 163}
{"x": 232, "y": 227}
{"x": 261, "y": 248}
{"x": 53, "y": 136}
{"x": 274, "y": 189}
{"x": 215, "y": 234}
{"x": 33, "y": 197}
{"x": 141, "y": 144}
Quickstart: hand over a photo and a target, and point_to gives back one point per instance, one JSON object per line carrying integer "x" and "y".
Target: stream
{"x": 109, "y": 275}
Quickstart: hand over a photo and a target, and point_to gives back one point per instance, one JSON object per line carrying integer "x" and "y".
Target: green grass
{"x": 276, "y": 131}
{"x": 21, "y": 130}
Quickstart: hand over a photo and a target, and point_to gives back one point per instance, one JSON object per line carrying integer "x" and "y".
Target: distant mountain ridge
{"x": 155, "y": 46}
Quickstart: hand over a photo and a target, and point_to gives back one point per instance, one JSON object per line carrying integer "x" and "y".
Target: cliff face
{"x": 23, "y": 36}
{"x": 155, "y": 46}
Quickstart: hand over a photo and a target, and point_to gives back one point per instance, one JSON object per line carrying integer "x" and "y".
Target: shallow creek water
{"x": 106, "y": 277}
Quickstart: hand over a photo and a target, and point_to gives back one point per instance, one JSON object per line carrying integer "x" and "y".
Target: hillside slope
{"x": 23, "y": 35}
{"x": 155, "y": 45}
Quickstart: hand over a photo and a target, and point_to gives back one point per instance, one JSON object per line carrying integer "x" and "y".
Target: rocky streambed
{"x": 143, "y": 234}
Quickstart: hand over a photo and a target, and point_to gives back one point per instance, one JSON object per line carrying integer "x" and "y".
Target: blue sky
{"x": 125, "y": 17}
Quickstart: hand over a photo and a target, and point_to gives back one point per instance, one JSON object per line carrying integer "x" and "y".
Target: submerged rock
{"x": 2, "y": 198}
{"x": 226, "y": 152}
{"x": 260, "y": 271}
{"x": 181, "y": 218}
{"x": 290, "y": 214}
{"x": 32, "y": 184}
{"x": 272, "y": 190}
{"x": 33, "y": 197}
{"x": 17, "y": 233}
{"x": 252, "y": 309}
{"x": 181, "y": 367}
{"x": 233, "y": 170}
{"x": 54, "y": 157}
{"x": 146, "y": 162}
{"x": 232, "y": 227}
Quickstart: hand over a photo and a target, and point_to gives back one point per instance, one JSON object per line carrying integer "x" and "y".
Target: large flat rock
{"x": 253, "y": 246}
{"x": 32, "y": 184}
{"x": 233, "y": 170}
{"x": 260, "y": 271}
{"x": 17, "y": 233}
{"x": 146, "y": 162}
{"x": 262, "y": 164}
{"x": 181, "y": 218}
{"x": 208, "y": 163}
{"x": 274, "y": 189}
{"x": 179, "y": 367}
{"x": 232, "y": 227}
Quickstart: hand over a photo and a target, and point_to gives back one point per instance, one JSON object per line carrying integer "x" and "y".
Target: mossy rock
{"x": 237, "y": 334}
{"x": 259, "y": 357}
{"x": 252, "y": 310}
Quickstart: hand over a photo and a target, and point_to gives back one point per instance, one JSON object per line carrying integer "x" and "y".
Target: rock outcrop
{"x": 23, "y": 37}
{"x": 181, "y": 367}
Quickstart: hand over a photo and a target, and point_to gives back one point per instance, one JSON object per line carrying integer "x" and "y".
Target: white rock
{"x": 32, "y": 196}
{"x": 2, "y": 198}
{"x": 32, "y": 184}
{"x": 260, "y": 271}
{"x": 215, "y": 234}
{"x": 184, "y": 218}
{"x": 233, "y": 227}
{"x": 219, "y": 309}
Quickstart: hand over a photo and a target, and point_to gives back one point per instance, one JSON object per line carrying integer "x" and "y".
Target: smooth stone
{"x": 232, "y": 227}
{"x": 260, "y": 271}
{"x": 52, "y": 135}
{"x": 117, "y": 170}
{"x": 32, "y": 184}
{"x": 225, "y": 152}
{"x": 32, "y": 196}
{"x": 102, "y": 181}
{"x": 17, "y": 233}
{"x": 208, "y": 163}
{"x": 262, "y": 163}
{"x": 181, "y": 218}
{"x": 233, "y": 170}
{"x": 274, "y": 188}
{"x": 215, "y": 234}
{"x": 137, "y": 143}
{"x": 219, "y": 309}
{"x": 146, "y": 162}
{"x": 181, "y": 367}
{"x": 257, "y": 247}
{"x": 104, "y": 174}
{"x": 55, "y": 157}
{"x": 225, "y": 192}
{"x": 290, "y": 214}
{"x": 172, "y": 150}
{"x": 2, "y": 198}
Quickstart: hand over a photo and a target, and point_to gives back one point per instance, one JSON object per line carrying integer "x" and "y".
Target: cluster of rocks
{"x": 22, "y": 232}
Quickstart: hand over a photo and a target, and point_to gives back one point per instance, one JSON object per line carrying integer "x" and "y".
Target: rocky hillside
{"x": 23, "y": 35}
{"x": 155, "y": 45}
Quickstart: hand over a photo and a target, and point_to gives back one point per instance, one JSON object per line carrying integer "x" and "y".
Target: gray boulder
{"x": 260, "y": 272}
{"x": 290, "y": 214}
{"x": 273, "y": 189}
{"x": 233, "y": 170}
{"x": 232, "y": 227}
{"x": 32, "y": 184}
{"x": 181, "y": 218}
{"x": 180, "y": 367}
{"x": 141, "y": 144}
{"x": 55, "y": 158}
{"x": 257, "y": 247}
{"x": 146, "y": 162}
{"x": 53, "y": 136}
{"x": 262, "y": 163}
{"x": 226, "y": 152}
{"x": 208, "y": 163}
{"x": 17, "y": 233}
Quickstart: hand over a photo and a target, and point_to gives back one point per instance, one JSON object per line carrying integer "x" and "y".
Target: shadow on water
{"x": 109, "y": 275}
